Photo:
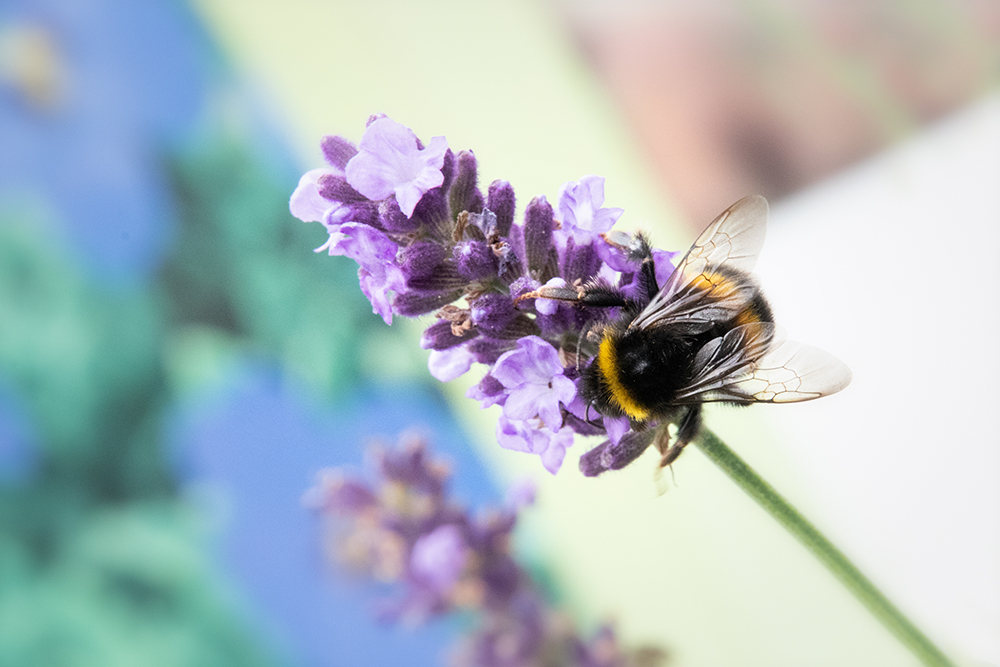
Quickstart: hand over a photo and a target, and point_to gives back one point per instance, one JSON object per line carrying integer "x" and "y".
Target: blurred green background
{"x": 176, "y": 364}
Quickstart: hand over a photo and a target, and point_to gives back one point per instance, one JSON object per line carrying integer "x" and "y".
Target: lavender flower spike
{"x": 390, "y": 161}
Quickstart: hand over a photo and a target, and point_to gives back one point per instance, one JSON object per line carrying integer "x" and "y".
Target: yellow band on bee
{"x": 607, "y": 363}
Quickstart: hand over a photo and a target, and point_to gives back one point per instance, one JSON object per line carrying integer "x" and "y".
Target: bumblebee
{"x": 706, "y": 335}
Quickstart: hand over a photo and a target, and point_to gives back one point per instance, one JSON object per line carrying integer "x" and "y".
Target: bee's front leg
{"x": 687, "y": 428}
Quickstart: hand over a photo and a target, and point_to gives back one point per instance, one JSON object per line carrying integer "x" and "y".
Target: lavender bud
{"x": 580, "y": 263}
{"x": 366, "y": 212}
{"x": 432, "y": 211}
{"x": 615, "y": 457}
{"x": 538, "y": 248}
{"x": 500, "y": 200}
{"x": 448, "y": 170}
{"x": 488, "y": 350}
{"x": 441, "y": 336}
{"x": 337, "y": 150}
{"x": 392, "y": 220}
{"x": 492, "y": 312}
{"x": 421, "y": 258}
{"x": 336, "y": 188}
{"x": 464, "y": 195}
{"x": 444, "y": 276}
{"x": 412, "y": 304}
{"x": 475, "y": 260}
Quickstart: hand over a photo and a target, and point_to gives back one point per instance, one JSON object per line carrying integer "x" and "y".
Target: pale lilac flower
{"x": 531, "y": 436}
{"x": 616, "y": 428}
{"x": 306, "y": 203}
{"x": 521, "y": 494}
{"x": 580, "y": 209}
{"x": 375, "y": 254}
{"x": 438, "y": 558}
{"x": 549, "y": 306}
{"x": 389, "y": 161}
{"x": 446, "y": 365}
{"x": 533, "y": 377}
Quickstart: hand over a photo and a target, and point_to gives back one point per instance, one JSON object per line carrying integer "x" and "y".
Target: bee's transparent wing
{"x": 734, "y": 239}
{"x": 751, "y": 364}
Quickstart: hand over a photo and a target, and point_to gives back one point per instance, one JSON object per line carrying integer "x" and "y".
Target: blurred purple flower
{"x": 533, "y": 377}
{"x": 390, "y": 161}
{"x": 438, "y": 558}
{"x": 446, "y": 365}
{"x": 404, "y": 528}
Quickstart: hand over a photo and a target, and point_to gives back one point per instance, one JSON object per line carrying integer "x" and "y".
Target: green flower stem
{"x": 829, "y": 555}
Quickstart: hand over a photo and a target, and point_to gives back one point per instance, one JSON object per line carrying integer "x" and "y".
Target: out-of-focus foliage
{"x": 144, "y": 243}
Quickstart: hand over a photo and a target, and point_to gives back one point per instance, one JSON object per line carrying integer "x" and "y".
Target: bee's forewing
{"x": 793, "y": 372}
{"x": 735, "y": 240}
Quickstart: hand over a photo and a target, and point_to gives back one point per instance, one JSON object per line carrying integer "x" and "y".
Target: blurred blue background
{"x": 156, "y": 435}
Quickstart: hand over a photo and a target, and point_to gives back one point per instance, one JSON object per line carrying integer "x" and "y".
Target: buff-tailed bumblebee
{"x": 706, "y": 335}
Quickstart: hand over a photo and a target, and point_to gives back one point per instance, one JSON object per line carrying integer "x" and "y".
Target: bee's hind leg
{"x": 687, "y": 428}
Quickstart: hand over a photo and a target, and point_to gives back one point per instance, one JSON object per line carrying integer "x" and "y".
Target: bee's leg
{"x": 596, "y": 294}
{"x": 687, "y": 429}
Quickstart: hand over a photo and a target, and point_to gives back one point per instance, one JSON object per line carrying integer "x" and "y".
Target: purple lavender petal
{"x": 663, "y": 263}
{"x": 488, "y": 392}
{"x": 554, "y": 454}
{"x": 549, "y": 306}
{"x": 375, "y": 253}
{"x": 524, "y": 401}
{"x": 446, "y": 365}
{"x": 534, "y": 361}
{"x": 580, "y": 208}
{"x": 514, "y": 435}
{"x": 439, "y": 557}
{"x": 616, "y": 427}
{"x": 390, "y": 162}
{"x": 306, "y": 203}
